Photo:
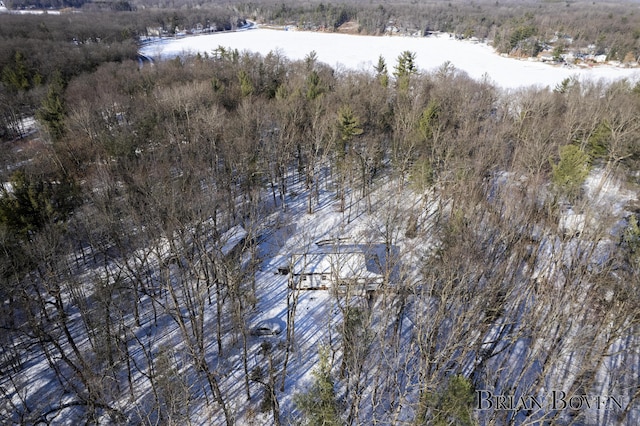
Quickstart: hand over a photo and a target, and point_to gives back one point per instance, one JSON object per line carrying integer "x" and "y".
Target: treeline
{"x": 519, "y": 28}
{"x": 76, "y": 43}
{"x": 36, "y": 49}
{"x": 522, "y": 28}
{"x": 44, "y": 4}
{"x": 67, "y": 5}
{"x": 104, "y": 235}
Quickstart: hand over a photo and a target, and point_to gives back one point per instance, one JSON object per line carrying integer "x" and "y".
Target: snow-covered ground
{"x": 362, "y": 52}
{"x": 512, "y": 350}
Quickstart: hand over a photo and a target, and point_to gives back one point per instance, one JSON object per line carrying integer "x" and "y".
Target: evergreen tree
{"x": 246, "y": 86}
{"x": 598, "y": 142}
{"x": 566, "y": 85}
{"x": 455, "y": 405}
{"x": 421, "y": 175}
{"x": 631, "y": 241}
{"x": 318, "y": 404}
{"x": 310, "y": 60}
{"x": 405, "y": 68}
{"x": 428, "y": 120}
{"x": 451, "y": 406}
{"x": 52, "y": 110}
{"x": 16, "y": 75}
{"x": 406, "y": 64}
{"x": 348, "y": 127}
{"x": 381, "y": 66}
{"x": 570, "y": 172}
{"x": 314, "y": 85}
{"x": 381, "y": 71}
{"x": 32, "y": 203}
{"x": 631, "y": 236}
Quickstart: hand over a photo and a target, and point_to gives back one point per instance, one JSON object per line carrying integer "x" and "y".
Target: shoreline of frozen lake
{"x": 356, "y": 52}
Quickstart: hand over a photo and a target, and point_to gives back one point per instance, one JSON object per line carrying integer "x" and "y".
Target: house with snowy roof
{"x": 344, "y": 271}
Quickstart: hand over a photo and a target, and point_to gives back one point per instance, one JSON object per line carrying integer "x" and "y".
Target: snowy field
{"x": 361, "y": 53}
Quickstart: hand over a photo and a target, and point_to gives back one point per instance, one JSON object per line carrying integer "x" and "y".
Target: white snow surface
{"x": 606, "y": 192}
{"x": 513, "y": 351}
{"x": 351, "y": 52}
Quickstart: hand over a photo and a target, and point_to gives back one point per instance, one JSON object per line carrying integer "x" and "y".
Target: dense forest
{"x": 513, "y": 27}
{"x": 523, "y": 28}
{"x": 506, "y": 226}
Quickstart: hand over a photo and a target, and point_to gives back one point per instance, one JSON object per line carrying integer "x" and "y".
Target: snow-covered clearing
{"x": 351, "y": 52}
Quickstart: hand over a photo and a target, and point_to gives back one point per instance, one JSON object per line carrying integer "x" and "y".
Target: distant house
{"x": 154, "y": 31}
{"x": 600, "y": 59}
{"x": 569, "y": 57}
{"x": 546, "y": 57}
{"x": 391, "y": 29}
{"x": 343, "y": 271}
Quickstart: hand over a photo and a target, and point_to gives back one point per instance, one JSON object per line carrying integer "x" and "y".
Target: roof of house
{"x": 342, "y": 265}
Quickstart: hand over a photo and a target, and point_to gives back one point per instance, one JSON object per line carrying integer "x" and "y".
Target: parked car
{"x": 271, "y": 327}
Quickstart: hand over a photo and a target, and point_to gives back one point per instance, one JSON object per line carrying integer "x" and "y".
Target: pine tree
{"x": 451, "y": 406}
{"x": 318, "y": 404}
{"x": 631, "y": 241}
{"x": 598, "y": 142}
{"x": 246, "y": 86}
{"x": 32, "y": 203}
{"x": 52, "y": 110}
{"x": 428, "y": 120}
{"x": 454, "y": 406}
{"x": 348, "y": 127}
{"x": 314, "y": 85}
{"x": 310, "y": 60}
{"x": 570, "y": 172}
{"x": 15, "y": 75}
{"x": 405, "y": 68}
{"x": 381, "y": 71}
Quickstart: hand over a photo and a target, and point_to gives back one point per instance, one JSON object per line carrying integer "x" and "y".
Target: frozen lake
{"x": 343, "y": 51}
